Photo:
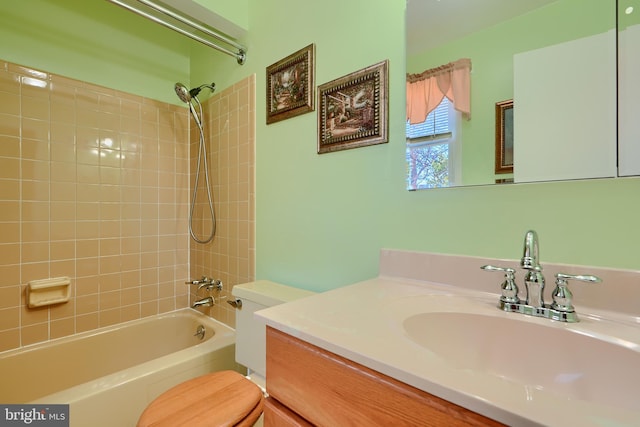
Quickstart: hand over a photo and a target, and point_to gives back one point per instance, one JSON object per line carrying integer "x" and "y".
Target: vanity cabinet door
{"x": 278, "y": 415}
{"x": 328, "y": 390}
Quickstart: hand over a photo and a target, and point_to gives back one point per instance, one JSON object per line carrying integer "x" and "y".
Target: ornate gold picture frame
{"x": 354, "y": 110}
{"x": 291, "y": 85}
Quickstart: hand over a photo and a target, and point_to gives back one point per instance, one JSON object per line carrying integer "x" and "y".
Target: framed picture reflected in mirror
{"x": 504, "y": 137}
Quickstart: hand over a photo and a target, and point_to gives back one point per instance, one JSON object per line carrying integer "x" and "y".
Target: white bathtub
{"x": 108, "y": 376}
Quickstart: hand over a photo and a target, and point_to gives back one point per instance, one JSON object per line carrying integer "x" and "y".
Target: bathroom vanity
{"x": 346, "y": 393}
{"x": 426, "y": 344}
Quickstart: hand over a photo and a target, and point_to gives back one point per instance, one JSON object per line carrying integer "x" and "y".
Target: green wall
{"x": 322, "y": 219}
{"x": 236, "y": 11}
{"x": 97, "y": 42}
{"x": 491, "y": 51}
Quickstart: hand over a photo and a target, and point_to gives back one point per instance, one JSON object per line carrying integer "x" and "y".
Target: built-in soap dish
{"x": 42, "y": 292}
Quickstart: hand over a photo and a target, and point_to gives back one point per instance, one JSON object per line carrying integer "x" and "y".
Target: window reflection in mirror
{"x": 433, "y": 153}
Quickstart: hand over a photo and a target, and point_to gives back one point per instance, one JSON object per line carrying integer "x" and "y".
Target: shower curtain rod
{"x": 240, "y": 54}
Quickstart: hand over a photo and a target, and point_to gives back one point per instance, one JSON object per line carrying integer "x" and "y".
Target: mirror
{"x": 556, "y": 59}
{"x": 628, "y": 87}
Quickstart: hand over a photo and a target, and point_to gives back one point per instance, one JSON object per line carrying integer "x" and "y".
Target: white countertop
{"x": 364, "y": 323}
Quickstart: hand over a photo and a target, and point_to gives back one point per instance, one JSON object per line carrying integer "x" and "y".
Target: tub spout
{"x": 204, "y": 302}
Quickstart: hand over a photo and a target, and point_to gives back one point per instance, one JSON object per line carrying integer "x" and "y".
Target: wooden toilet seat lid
{"x": 224, "y": 398}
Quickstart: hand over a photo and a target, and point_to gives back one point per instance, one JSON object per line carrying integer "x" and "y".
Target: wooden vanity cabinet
{"x": 311, "y": 386}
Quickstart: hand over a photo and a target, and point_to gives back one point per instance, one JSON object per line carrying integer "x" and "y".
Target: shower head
{"x": 182, "y": 92}
{"x": 186, "y": 95}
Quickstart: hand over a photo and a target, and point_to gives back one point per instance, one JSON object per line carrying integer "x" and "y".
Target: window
{"x": 432, "y": 152}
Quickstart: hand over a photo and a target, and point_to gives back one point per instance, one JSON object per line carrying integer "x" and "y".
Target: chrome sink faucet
{"x": 561, "y": 308}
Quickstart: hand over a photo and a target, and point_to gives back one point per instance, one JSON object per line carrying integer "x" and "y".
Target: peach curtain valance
{"x": 426, "y": 90}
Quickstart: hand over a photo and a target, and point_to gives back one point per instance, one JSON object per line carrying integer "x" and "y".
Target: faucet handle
{"x": 562, "y": 296}
{"x": 203, "y": 279}
{"x": 211, "y": 284}
{"x": 509, "y": 288}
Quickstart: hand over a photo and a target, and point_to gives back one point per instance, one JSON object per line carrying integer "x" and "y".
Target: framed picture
{"x": 291, "y": 85}
{"x": 354, "y": 110}
{"x": 504, "y": 136}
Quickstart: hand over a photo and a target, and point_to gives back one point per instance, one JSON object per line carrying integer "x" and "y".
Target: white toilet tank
{"x": 250, "y": 333}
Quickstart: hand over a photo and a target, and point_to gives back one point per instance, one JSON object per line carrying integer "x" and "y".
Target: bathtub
{"x": 108, "y": 376}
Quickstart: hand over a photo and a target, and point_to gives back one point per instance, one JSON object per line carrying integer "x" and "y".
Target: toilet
{"x": 227, "y": 397}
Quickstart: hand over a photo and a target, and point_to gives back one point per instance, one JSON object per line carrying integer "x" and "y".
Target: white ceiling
{"x": 433, "y": 22}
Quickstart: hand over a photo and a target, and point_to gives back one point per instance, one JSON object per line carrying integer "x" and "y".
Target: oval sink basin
{"x": 553, "y": 357}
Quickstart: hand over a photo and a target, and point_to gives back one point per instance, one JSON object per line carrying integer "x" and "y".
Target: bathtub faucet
{"x": 204, "y": 302}
{"x": 207, "y": 283}
{"x": 211, "y": 284}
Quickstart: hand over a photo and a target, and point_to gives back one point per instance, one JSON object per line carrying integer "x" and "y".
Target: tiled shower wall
{"x": 94, "y": 185}
{"x": 229, "y": 126}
